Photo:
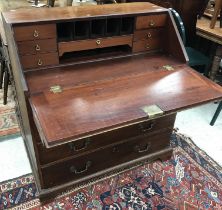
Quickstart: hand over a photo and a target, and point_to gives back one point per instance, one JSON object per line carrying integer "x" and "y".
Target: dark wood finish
{"x": 91, "y": 163}
{"x": 37, "y": 46}
{"x": 40, "y": 60}
{"x": 34, "y": 32}
{"x": 150, "y": 21}
{"x": 70, "y": 76}
{"x": 69, "y": 13}
{"x": 81, "y": 100}
{"x": 94, "y": 43}
{"x": 145, "y": 45}
{"x": 98, "y": 112}
{"x": 76, "y": 148}
{"x": 188, "y": 10}
{"x": 148, "y": 34}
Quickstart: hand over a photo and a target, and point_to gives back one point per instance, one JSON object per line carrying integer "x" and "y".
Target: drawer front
{"x": 148, "y": 34}
{"x": 97, "y": 161}
{"x": 150, "y": 21}
{"x": 94, "y": 43}
{"x": 96, "y": 142}
{"x": 37, "y": 46}
{"x": 41, "y": 60}
{"x": 33, "y": 32}
{"x": 146, "y": 45}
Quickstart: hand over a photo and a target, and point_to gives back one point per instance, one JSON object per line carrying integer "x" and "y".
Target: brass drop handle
{"x": 36, "y": 33}
{"x": 98, "y": 42}
{"x": 39, "y": 62}
{"x": 148, "y": 35}
{"x": 152, "y": 23}
{"x": 141, "y": 150}
{"x": 146, "y": 128}
{"x": 76, "y": 149}
{"x": 37, "y": 48}
{"x": 74, "y": 170}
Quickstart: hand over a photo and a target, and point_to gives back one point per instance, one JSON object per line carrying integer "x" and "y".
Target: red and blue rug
{"x": 189, "y": 180}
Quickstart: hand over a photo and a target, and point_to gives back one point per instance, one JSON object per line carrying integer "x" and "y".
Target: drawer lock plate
{"x": 153, "y": 111}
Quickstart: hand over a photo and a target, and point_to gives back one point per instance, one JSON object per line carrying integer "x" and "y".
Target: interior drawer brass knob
{"x": 39, "y": 62}
{"x": 147, "y": 46}
{"x": 37, "y": 48}
{"x": 36, "y": 33}
{"x": 152, "y": 23}
{"x": 98, "y": 42}
{"x": 149, "y": 35}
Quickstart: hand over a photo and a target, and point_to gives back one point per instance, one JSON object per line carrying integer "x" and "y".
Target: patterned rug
{"x": 190, "y": 180}
{"x": 8, "y": 121}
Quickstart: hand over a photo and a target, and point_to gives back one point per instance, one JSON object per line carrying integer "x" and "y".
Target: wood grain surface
{"x": 94, "y": 107}
{"x": 68, "y": 13}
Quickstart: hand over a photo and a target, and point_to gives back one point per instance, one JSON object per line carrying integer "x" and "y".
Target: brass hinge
{"x": 168, "y": 67}
{"x": 56, "y": 89}
{"x": 153, "y": 111}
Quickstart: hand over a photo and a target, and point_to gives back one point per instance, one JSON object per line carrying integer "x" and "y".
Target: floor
{"x": 193, "y": 122}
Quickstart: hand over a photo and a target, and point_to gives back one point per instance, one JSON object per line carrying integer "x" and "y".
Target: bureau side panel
{"x": 21, "y": 89}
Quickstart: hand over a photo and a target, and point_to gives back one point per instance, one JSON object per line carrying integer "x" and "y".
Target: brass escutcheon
{"x": 36, "y": 33}
{"x": 98, "y": 42}
{"x": 39, "y": 62}
{"x": 37, "y": 48}
{"x": 152, "y": 23}
{"x": 149, "y": 35}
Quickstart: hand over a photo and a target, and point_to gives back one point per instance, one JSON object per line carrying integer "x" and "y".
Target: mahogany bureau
{"x": 98, "y": 88}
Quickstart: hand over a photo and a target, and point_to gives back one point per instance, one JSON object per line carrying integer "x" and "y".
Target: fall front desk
{"x": 98, "y": 88}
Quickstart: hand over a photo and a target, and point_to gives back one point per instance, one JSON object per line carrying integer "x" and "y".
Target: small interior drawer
{"x": 33, "y": 32}
{"x": 76, "y": 168}
{"x": 103, "y": 140}
{"x": 150, "y": 21}
{"x": 40, "y": 60}
{"x": 146, "y": 45}
{"x": 148, "y": 34}
{"x": 37, "y": 46}
{"x": 73, "y": 46}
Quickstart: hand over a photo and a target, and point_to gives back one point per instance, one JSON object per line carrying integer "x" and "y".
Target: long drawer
{"x": 37, "y": 46}
{"x": 96, "y": 142}
{"x": 100, "y": 160}
{"x": 39, "y": 60}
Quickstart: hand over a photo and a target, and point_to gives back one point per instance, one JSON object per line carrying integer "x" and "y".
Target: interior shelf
{"x": 95, "y": 28}
{"x": 82, "y": 29}
{"x": 98, "y": 28}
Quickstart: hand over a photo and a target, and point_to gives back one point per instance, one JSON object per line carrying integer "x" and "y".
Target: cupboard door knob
{"x": 141, "y": 150}
{"x": 147, "y": 46}
{"x": 76, "y": 149}
{"x": 39, "y": 62}
{"x": 36, "y": 33}
{"x": 74, "y": 170}
{"x": 37, "y": 48}
{"x": 98, "y": 42}
{"x": 149, "y": 35}
{"x": 152, "y": 23}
